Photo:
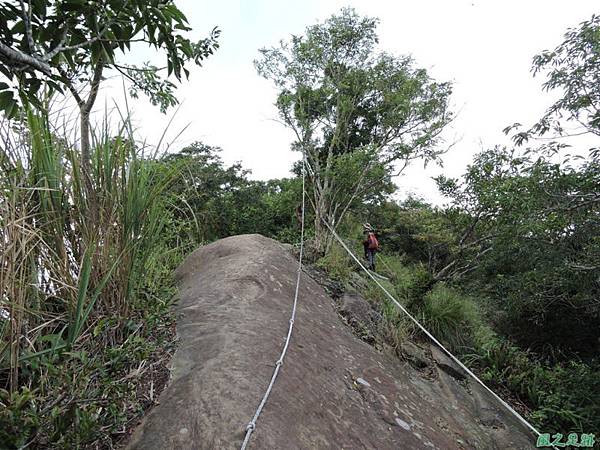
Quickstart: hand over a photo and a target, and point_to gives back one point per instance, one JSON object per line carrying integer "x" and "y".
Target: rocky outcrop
{"x": 360, "y": 316}
{"x": 334, "y": 391}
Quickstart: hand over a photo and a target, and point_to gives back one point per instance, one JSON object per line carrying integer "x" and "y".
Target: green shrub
{"x": 18, "y": 417}
{"x": 394, "y": 327}
{"x": 375, "y": 294}
{"x": 567, "y": 395}
{"x": 411, "y": 282}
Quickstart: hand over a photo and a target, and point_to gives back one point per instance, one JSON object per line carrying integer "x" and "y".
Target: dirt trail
{"x": 334, "y": 391}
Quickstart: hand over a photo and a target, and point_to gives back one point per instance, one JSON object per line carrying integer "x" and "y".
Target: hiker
{"x": 371, "y": 245}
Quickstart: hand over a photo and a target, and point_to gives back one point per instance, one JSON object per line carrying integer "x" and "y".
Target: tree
{"x": 444, "y": 240}
{"x": 574, "y": 68}
{"x": 542, "y": 214}
{"x": 70, "y": 44}
{"x": 199, "y": 192}
{"x": 541, "y": 223}
{"x": 356, "y": 113}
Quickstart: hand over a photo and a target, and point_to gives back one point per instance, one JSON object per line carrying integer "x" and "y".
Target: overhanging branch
{"x": 19, "y": 59}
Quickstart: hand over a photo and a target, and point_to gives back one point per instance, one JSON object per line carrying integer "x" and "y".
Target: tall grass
{"x": 73, "y": 247}
{"x": 410, "y": 281}
{"x": 451, "y": 316}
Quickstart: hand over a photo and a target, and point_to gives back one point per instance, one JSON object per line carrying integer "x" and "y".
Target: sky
{"x": 485, "y": 47}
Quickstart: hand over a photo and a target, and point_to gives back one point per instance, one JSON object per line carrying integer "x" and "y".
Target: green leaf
{"x": 19, "y": 28}
{"x": 8, "y": 104}
{"x": 6, "y": 99}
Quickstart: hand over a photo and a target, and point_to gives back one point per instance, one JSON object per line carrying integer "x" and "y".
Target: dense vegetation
{"x": 506, "y": 274}
{"x": 85, "y": 292}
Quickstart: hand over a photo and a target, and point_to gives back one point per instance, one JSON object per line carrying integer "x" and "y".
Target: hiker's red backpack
{"x": 372, "y": 241}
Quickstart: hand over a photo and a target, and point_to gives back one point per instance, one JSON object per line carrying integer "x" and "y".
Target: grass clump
{"x": 394, "y": 327}
{"x": 410, "y": 281}
{"x": 450, "y": 316}
{"x": 337, "y": 263}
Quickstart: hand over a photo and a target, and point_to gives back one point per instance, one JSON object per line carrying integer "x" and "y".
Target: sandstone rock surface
{"x": 334, "y": 391}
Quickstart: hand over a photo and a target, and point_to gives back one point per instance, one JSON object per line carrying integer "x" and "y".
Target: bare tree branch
{"x": 67, "y": 81}
{"x": 28, "y": 31}
{"x": 18, "y": 58}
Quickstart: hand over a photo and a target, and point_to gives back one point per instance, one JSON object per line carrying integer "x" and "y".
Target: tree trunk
{"x": 86, "y": 165}
{"x": 321, "y": 230}
{"x": 86, "y": 152}
{"x": 85, "y": 141}
{"x": 86, "y": 110}
{"x": 320, "y": 233}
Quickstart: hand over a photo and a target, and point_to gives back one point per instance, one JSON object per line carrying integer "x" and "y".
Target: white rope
{"x": 454, "y": 358}
{"x": 252, "y": 424}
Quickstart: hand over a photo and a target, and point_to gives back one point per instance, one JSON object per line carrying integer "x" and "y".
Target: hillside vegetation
{"x": 506, "y": 274}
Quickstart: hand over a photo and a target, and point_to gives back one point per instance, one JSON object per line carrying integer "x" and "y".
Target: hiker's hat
{"x": 367, "y": 227}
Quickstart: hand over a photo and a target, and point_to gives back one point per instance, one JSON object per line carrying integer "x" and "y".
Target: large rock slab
{"x": 333, "y": 392}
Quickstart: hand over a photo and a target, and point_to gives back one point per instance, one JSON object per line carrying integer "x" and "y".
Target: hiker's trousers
{"x": 371, "y": 258}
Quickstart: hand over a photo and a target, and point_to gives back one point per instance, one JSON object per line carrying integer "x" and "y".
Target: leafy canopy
{"x": 61, "y": 43}
{"x": 335, "y": 84}
{"x": 542, "y": 219}
{"x": 213, "y": 200}
{"x": 573, "y": 68}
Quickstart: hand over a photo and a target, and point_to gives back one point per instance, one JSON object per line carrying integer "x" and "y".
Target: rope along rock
{"x": 422, "y": 328}
{"x": 252, "y": 424}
